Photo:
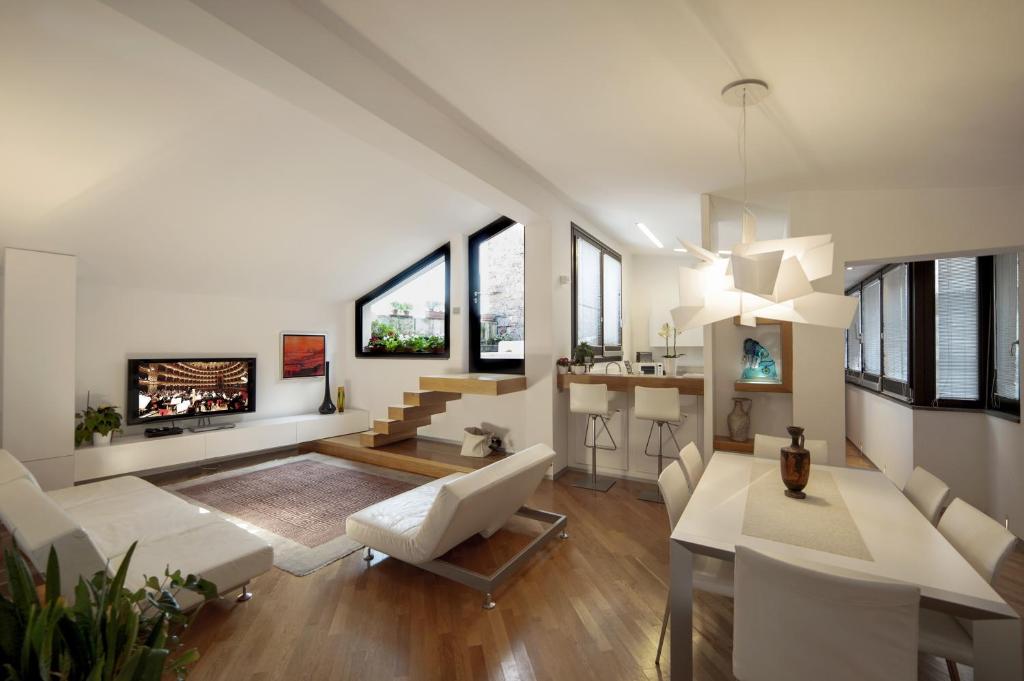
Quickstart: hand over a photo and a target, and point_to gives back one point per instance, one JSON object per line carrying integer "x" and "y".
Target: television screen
{"x": 164, "y": 389}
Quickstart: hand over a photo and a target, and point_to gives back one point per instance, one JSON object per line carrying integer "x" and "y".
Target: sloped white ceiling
{"x": 618, "y": 103}
{"x": 159, "y": 169}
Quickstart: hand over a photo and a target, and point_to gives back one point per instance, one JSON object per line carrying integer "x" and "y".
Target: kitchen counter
{"x": 687, "y": 384}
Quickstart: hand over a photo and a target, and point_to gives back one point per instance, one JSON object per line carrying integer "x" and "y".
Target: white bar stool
{"x": 592, "y": 400}
{"x": 661, "y": 407}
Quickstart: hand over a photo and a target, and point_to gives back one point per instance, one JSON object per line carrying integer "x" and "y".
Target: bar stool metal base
{"x": 652, "y": 495}
{"x": 598, "y": 484}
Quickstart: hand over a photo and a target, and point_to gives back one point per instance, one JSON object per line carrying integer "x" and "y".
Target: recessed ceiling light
{"x": 649, "y": 234}
{"x": 849, "y": 267}
{"x": 680, "y": 250}
{"x": 725, "y": 253}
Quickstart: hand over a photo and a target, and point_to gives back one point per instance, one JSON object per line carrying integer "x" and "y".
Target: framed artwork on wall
{"x": 303, "y": 355}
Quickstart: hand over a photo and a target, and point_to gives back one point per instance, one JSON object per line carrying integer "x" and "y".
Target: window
{"x": 896, "y": 330}
{"x": 956, "y": 329}
{"x": 942, "y": 333}
{"x": 497, "y": 298}
{"x": 871, "y": 330}
{"x": 853, "y": 336}
{"x": 1006, "y": 338}
{"x": 597, "y": 294}
{"x": 409, "y": 314}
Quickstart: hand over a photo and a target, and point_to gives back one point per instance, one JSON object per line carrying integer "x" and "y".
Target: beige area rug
{"x": 821, "y": 522}
{"x": 299, "y": 505}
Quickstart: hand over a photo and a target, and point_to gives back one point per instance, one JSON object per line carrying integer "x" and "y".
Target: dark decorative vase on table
{"x": 327, "y": 407}
{"x": 796, "y": 464}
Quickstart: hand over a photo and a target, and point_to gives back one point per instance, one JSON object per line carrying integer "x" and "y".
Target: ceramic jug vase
{"x": 796, "y": 464}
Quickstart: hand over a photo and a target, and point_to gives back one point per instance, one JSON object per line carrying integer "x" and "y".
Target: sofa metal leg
{"x": 245, "y": 595}
{"x": 954, "y": 672}
{"x": 369, "y": 554}
{"x": 564, "y": 534}
{"x": 488, "y": 602}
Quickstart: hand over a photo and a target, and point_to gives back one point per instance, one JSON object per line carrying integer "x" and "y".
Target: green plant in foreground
{"x": 109, "y": 634}
{"x": 101, "y": 420}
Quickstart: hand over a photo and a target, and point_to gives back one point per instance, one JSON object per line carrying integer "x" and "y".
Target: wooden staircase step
{"x": 374, "y": 439}
{"x": 406, "y": 412}
{"x": 474, "y": 384}
{"x": 396, "y": 426}
{"x": 421, "y": 398}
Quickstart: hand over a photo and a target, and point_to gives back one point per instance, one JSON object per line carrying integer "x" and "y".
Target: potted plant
{"x": 582, "y": 355}
{"x": 99, "y": 424}
{"x": 435, "y": 310}
{"x": 109, "y": 632}
{"x": 562, "y": 364}
{"x": 668, "y": 331}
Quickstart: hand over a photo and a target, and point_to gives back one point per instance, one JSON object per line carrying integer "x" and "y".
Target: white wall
{"x": 883, "y": 430}
{"x": 654, "y": 291}
{"x": 887, "y": 225}
{"x": 117, "y": 323}
{"x": 39, "y": 363}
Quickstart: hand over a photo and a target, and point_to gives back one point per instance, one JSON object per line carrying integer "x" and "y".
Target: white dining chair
{"x": 709, "y": 574}
{"x": 985, "y": 544}
{"x": 768, "y": 446}
{"x": 693, "y": 464}
{"x": 807, "y": 623}
{"x": 927, "y": 492}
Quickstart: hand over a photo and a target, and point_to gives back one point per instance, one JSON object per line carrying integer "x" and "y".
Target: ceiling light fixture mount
{"x": 745, "y": 91}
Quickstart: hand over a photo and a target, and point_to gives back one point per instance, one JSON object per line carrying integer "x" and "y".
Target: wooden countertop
{"x": 626, "y": 382}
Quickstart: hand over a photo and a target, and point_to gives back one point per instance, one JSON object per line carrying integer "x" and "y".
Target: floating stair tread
{"x": 373, "y": 439}
{"x": 475, "y": 384}
{"x": 405, "y": 412}
{"x": 421, "y": 398}
{"x": 394, "y": 426}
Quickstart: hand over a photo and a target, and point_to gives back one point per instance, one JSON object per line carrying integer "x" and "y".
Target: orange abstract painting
{"x": 303, "y": 355}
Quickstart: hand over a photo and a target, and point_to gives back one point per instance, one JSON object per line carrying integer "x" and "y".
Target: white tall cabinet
{"x": 38, "y": 381}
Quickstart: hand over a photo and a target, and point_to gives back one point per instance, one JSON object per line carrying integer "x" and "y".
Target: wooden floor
{"x": 586, "y": 608}
{"x": 856, "y": 459}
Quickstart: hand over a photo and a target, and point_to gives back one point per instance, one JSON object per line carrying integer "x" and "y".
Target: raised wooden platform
{"x": 412, "y": 455}
{"x": 724, "y": 443}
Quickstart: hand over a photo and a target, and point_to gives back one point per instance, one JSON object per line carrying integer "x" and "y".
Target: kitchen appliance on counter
{"x": 651, "y": 368}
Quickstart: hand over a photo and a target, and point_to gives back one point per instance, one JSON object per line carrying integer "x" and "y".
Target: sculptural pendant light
{"x": 770, "y": 279}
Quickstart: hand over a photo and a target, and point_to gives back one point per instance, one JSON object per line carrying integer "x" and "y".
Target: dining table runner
{"x": 821, "y": 522}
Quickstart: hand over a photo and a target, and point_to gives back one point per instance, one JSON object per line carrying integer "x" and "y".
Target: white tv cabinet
{"x": 138, "y": 453}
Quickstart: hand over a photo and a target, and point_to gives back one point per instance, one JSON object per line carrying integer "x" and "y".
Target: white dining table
{"x": 902, "y": 544}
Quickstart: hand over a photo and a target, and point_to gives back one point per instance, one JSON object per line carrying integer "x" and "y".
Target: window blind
{"x": 1006, "y": 339}
{"x": 895, "y": 324}
{"x": 853, "y": 338}
{"x": 871, "y": 332}
{"x": 612, "y": 296}
{"x": 588, "y": 292}
{"x": 956, "y": 329}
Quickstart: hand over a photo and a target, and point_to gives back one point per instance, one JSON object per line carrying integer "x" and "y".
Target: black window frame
{"x": 998, "y": 403}
{"x": 476, "y": 363}
{"x": 900, "y": 390}
{"x": 443, "y": 252}
{"x": 602, "y": 352}
{"x": 920, "y": 389}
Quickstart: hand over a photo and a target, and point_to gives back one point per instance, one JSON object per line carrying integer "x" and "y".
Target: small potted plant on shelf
{"x": 98, "y": 424}
{"x": 563, "y": 365}
{"x": 435, "y": 310}
{"x": 582, "y": 355}
{"x": 668, "y": 331}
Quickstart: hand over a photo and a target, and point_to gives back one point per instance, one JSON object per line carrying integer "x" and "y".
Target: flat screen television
{"x": 166, "y": 389}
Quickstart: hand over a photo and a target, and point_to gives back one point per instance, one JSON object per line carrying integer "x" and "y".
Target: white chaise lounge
{"x": 421, "y": 525}
{"x": 92, "y": 526}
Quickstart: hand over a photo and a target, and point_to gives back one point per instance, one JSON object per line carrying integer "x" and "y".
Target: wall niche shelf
{"x": 723, "y": 443}
{"x": 786, "y": 343}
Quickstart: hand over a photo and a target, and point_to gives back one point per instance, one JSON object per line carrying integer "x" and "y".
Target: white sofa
{"x": 421, "y": 525}
{"x": 92, "y": 526}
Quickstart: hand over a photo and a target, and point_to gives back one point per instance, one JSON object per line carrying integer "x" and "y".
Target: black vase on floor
{"x": 327, "y": 407}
